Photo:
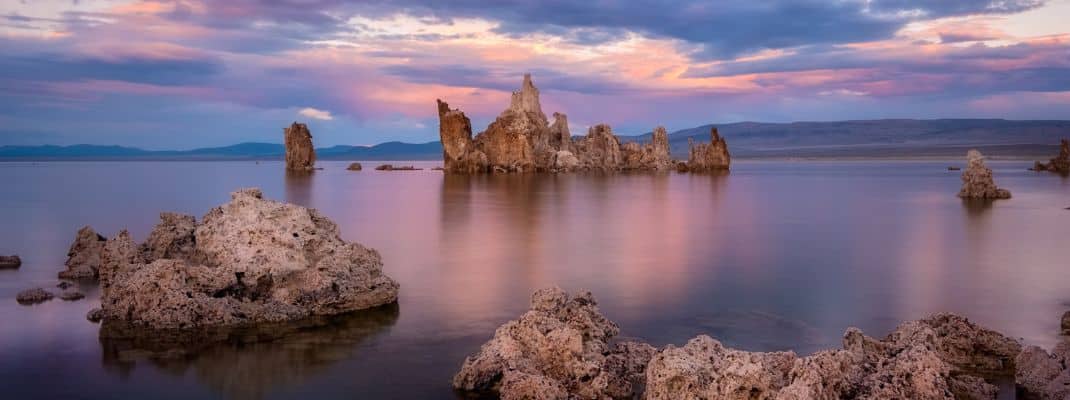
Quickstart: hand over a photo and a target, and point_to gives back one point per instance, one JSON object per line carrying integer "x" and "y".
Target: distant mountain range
{"x": 887, "y": 138}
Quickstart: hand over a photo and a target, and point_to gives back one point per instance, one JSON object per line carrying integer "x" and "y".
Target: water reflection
{"x": 247, "y": 363}
{"x": 299, "y": 187}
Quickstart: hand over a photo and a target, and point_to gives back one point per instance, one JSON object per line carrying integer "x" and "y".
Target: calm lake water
{"x": 775, "y": 255}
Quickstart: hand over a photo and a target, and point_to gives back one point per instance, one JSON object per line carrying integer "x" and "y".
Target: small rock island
{"x": 300, "y": 155}
{"x": 977, "y": 182}
{"x": 1060, "y": 164}
{"x": 522, "y": 139}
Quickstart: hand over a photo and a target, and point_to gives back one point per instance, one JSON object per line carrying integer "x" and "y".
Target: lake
{"x": 775, "y": 255}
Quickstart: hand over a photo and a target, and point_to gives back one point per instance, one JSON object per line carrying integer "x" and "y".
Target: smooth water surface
{"x": 775, "y": 255}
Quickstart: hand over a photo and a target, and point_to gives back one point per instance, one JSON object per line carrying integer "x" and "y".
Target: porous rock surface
{"x": 559, "y": 349}
{"x": 977, "y": 182}
{"x": 300, "y": 155}
{"x": 712, "y": 156}
{"x": 1060, "y": 164}
{"x": 1043, "y": 375}
{"x": 33, "y": 296}
{"x": 522, "y": 139}
{"x": 83, "y": 258}
{"x": 249, "y": 261}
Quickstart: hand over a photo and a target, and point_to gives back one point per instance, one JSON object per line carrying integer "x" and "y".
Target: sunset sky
{"x": 185, "y": 74}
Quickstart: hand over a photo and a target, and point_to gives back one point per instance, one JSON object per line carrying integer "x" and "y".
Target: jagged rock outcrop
{"x": 249, "y": 261}
{"x": 10, "y": 262}
{"x": 712, "y": 156}
{"x": 300, "y": 155}
{"x": 83, "y": 258}
{"x": 459, "y": 153}
{"x": 33, "y": 296}
{"x": 941, "y": 357}
{"x": 521, "y": 139}
{"x": 977, "y": 180}
{"x": 1059, "y": 164}
{"x": 559, "y": 349}
{"x": 1043, "y": 375}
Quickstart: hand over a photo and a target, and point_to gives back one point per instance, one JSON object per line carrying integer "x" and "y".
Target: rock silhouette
{"x": 522, "y": 139}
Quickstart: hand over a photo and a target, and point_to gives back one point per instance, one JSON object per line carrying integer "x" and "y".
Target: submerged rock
{"x": 71, "y": 296}
{"x": 1060, "y": 164}
{"x": 300, "y": 155}
{"x": 33, "y": 296}
{"x": 558, "y": 349}
{"x": 712, "y": 156}
{"x": 354, "y": 167}
{"x": 10, "y": 262}
{"x": 83, "y": 258}
{"x": 977, "y": 182}
{"x": 252, "y": 261}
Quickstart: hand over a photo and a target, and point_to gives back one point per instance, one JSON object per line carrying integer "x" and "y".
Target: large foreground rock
{"x": 1044, "y": 375}
{"x": 977, "y": 182}
{"x": 300, "y": 155}
{"x": 558, "y": 349}
{"x": 249, "y": 261}
{"x": 83, "y": 258}
{"x": 1060, "y": 164}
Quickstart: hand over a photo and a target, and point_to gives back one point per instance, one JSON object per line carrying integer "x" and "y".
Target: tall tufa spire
{"x": 527, "y": 98}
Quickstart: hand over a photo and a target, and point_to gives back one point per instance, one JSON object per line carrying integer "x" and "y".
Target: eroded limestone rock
{"x": 171, "y": 238}
{"x": 33, "y": 296}
{"x": 252, "y": 260}
{"x": 977, "y": 182}
{"x": 83, "y": 258}
{"x": 300, "y": 155}
{"x": 1060, "y": 164}
{"x": 459, "y": 153}
{"x": 1044, "y": 375}
{"x": 712, "y": 156}
{"x": 558, "y": 349}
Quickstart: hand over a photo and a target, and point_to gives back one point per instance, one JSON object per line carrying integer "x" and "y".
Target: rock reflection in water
{"x": 247, "y": 363}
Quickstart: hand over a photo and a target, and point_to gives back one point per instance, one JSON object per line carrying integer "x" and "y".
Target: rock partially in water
{"x": 63, "y": 285}
{"x": 600, "y": 150}
{"x": 391, "y": 167}
{"x": 71, "y": 296}
{"x": 354, "y": 167}
{"x": 712, "y": 156}
{"x": 459, "y": 152}
{"x": 253, "y": 261}
{"x": 300, "y": 154}
{"x": 1060, "y": 164}
{"x": 95, "y": 315}
{"x": 83, "y": 258}
{"x": 977, "y": 182}
{"x": 33, "y": 296}
{"x": 1044, "y": 375}
{"x": 558, "y": 349}
{"x": 941, "y": 357}
{"x": 1065, "y": 323}
{"x": 10, "y": 262}
{"x": 565, "y": 161}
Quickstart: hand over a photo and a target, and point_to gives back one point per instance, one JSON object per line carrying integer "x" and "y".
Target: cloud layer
{"x": 190, "y": 73}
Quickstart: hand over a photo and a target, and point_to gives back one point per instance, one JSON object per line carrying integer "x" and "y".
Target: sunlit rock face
{"x": 1060, "y": 164}
{"x": 521, "y": 139}
{"x": 977, "y": 182}
{"x": 249, "y": 261}
{"x": 300, "y": 155}
{"x": 712, "y": 156}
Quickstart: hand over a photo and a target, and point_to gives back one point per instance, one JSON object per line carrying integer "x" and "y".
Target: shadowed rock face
{"x": 300, "y": 155}
{"x": 559, "y": 349}
{"x": 521, "y": 139}
{"x": 1059, "y": 164}
{"x": 83, "y": 258}
{"x": 249, "y": 261}
{"x": 1044, "y": 375}
{"x": 711, "y": 156}
{"x": 977, "y": 182}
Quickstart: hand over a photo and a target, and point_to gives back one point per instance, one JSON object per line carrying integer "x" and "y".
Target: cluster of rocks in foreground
{"x": 522, "y": 139}
{"x": 563, "y": 348}
{"x": 247, "y": 262}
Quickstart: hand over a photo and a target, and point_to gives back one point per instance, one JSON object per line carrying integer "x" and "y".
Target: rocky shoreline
{"x": 522, "y": 139}
{"x": 563, "y": 348}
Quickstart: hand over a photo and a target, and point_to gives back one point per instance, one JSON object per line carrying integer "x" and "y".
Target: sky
{"x": 186, "y": 74}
